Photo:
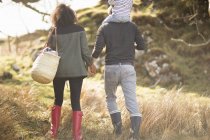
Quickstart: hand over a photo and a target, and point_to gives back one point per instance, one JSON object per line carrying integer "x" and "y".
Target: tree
{"x": 103, "y": 1}
{"x": 26, "y": 3}
{"x": 202, "y": 9}
{"x": 182, "y": 8}
{"x": 200, "y": 6}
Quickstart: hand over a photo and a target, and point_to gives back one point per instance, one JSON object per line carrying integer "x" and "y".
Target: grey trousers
{"x": 124, "y": 75}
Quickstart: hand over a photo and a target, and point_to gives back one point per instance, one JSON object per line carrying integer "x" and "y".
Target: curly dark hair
{"x": 63, "y": 16}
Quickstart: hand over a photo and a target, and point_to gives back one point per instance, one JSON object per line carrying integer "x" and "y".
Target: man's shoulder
{"x": 133, "y": 24}
{"x": 112, "y": 25}
{"x": 104, "y": 25}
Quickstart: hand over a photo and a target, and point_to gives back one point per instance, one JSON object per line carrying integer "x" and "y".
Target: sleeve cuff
{"x": 95, "y": 55}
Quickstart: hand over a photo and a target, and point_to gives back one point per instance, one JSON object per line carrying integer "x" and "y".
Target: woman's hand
{"x": 92, "y": 70}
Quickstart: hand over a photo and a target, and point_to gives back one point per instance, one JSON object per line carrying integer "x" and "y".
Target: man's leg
{"x": 111, "y": 83}
{"x": 117, "y": 123}
{"x": 128, "y": 83}
{"x": 135, "y": 126}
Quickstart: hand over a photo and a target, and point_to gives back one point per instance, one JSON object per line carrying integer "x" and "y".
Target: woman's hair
{"x": 63, "y": 15}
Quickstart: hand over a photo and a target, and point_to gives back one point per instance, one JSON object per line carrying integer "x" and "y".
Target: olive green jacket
{"x": 73, "y": 50}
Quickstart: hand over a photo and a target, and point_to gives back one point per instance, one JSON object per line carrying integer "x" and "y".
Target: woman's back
{"x": 73, "y": 50}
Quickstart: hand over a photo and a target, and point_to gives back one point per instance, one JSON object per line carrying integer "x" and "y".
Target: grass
{"x": 167, "y": 114}
{"x": 23, "y": 117}
{"x": 173, "y": 114}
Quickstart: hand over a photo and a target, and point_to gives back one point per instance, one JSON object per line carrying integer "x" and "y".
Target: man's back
{"x": 119, "y": 39}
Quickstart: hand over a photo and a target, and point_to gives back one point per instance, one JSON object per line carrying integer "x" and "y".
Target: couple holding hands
{"x": 121, "y": 38}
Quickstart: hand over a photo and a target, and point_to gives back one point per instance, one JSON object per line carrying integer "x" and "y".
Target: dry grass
{"x": 21, "y": 116}
{"x": 6, "y": 123}
{"x": 174, "y": 114}
{"x": 167, "y": 115}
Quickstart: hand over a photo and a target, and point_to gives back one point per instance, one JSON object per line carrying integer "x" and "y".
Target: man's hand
{"x": 92, "y": 70}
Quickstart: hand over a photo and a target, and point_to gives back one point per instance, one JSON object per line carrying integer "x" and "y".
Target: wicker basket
{"x": 45, "y": 67}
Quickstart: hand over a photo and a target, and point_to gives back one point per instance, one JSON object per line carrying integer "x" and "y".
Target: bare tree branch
{"x": 199, "y": 33}
{"x": 190, "y": 45}
{"x": 193, "y": 16}
{"x": 34, "y": 9}
{"x": 196, "y": 23}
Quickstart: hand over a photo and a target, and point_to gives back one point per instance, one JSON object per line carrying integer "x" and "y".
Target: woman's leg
{"x": 75, "y": 87}
{"x": 58, "y": 85}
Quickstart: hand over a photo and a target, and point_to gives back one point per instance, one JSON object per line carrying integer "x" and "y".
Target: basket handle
{"x": 50, "y": 36}
{"x": 56, "y": 40}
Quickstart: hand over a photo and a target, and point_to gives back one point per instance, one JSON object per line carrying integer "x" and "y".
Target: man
{"x": 119, "y": 39}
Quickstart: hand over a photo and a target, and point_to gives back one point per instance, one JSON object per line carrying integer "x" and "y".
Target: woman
{"x": 75, "y": 56}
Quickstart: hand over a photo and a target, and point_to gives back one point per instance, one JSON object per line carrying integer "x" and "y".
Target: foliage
{"x": 26, "y": 1}
{"x": 187, "y": 8}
